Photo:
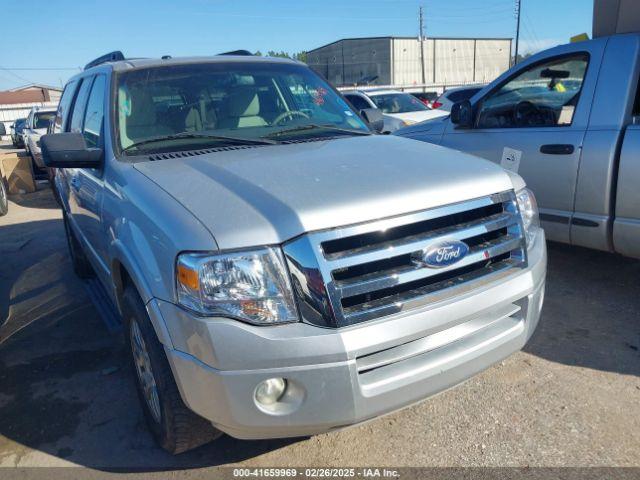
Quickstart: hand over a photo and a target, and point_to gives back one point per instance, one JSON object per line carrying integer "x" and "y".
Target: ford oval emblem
{"x": 442, "y": 254}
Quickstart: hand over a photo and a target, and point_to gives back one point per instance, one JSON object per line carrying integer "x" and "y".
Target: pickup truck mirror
{"x": 3, "y": 130}
{"x": 69, "y": 150}
{"x": 373, "y": 116}
{"x": 462, "y": 114}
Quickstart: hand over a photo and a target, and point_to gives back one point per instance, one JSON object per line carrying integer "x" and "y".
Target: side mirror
{"x": 462, "y": 114}
{"x": 69, "y": 150}
{"x": 3, "y": 130}
{"x": 373, "y": 116}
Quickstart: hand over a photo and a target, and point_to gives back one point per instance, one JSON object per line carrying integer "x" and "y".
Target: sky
{"x": 48, "y": 41}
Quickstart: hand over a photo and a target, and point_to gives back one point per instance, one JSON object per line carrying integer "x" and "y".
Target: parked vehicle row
{"x": 281, "y": 269}
{"x": 566, "y": 119}
{"x": 399, "y": 109}
{"x": 17, "y": 129}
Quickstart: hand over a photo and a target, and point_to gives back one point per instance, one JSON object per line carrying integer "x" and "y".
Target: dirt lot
{"x": 572, "y": 398}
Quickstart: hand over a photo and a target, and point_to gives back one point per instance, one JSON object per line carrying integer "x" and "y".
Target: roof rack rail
{"x": 242, "y": 53}
{"x": 109, "y": 57}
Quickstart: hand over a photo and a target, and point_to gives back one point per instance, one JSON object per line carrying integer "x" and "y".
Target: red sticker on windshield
{"x": 318, "y": 98}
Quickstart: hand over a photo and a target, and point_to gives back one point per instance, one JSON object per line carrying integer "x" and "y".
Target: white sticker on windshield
{"x": 511, "y": 159}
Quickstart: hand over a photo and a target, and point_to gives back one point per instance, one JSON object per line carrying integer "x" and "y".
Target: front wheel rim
{"x": 142, "y": 364}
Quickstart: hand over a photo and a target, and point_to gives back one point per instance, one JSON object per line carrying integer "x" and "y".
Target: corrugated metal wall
{"x": 407, "y": 63}
{"x": 350, "y": 61}
{"x": 493, "y": 57}
{"x": 396, "y": 61}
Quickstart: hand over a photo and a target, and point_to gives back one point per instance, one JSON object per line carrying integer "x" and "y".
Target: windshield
{"x": 42, "y": 119}
{"x": 398, "y": 103}
{"x": 186, "y": 106}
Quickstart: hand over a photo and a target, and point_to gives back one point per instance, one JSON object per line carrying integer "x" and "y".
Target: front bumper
{"x": 346, "y": 376}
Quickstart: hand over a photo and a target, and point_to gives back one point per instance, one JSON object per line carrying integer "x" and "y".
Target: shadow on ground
{"x": 66, "y": 392}
{"x": 591, "y": 313}
{"x": 66, "y": 389}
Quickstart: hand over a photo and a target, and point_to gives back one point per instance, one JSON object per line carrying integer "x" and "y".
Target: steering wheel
{"x": 524, "y": 111}
{"x": 288, "y": 114}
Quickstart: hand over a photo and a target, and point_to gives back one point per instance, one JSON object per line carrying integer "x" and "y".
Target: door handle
{"x": 557, "y": 149}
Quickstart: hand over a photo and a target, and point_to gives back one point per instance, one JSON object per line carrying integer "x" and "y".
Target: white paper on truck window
{"x": 511, "y": 159}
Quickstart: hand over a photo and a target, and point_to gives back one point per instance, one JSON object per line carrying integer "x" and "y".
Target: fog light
{"x": 270, "y": 391}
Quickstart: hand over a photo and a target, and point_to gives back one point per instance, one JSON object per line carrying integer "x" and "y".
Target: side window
{"x": 92, "y": 125}
{"x": 358, "y": 102}
{"x": 544, "y": 95}
{"x": 63, "y": 106}
{"x": 78, "y": 106}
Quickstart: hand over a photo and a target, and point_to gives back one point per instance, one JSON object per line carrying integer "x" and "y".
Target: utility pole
{"x": 517, "y": 12}
{"x": 421, "y": 38}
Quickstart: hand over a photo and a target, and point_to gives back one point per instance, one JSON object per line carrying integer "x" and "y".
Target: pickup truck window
{"x": 42, "y": 119}
{"x": 544, "y": 95}
{"x": 192, "y": 104}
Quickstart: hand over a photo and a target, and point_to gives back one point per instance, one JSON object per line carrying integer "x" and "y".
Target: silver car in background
{"x": 567, "y": 120}
{"x": 35, "y": 126}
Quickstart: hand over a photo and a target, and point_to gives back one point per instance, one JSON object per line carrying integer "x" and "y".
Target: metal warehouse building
{"x": 397, "y": 60}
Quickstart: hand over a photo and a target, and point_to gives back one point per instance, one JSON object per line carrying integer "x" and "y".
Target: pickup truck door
{"x": 533, "y": 121}
{"x": 626, "y": 226}
{"x": 86, "y": 185}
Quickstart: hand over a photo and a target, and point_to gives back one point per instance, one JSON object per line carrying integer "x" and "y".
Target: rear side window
{"x": 78, "y": 106}
{"x": 92, "y": 125}
{"x": 64, "y": 105}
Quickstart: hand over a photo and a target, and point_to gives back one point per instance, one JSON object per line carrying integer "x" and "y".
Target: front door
{"x": 534, "y": 123}
{"x": 86, "y": 184}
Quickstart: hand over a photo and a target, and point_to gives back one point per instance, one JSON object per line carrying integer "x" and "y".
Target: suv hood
{"x": 267, "y": 195}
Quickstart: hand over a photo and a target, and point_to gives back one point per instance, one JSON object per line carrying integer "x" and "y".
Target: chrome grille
{"x": 353, "y": 274}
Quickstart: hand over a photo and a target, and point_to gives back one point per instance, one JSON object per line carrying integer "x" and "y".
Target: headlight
{"x": 248, "y": 285}
{"x": 529, "y": 212}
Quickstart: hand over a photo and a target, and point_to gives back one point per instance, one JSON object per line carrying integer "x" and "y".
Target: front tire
{"x": 174, "y": 427}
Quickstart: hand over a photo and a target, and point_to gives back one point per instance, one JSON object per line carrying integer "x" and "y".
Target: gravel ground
{"x": 571, "y": 398}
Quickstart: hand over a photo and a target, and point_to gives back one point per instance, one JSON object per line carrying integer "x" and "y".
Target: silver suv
{"x": 280, "y": 269}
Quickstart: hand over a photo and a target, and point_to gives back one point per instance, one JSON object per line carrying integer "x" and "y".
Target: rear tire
{"x": 81, "y": 265}
{"x": 4, "y": 201}
{"x": 174, "y": 427}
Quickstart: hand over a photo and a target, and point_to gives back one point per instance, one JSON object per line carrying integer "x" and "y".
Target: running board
{"x": 105, "y": 307}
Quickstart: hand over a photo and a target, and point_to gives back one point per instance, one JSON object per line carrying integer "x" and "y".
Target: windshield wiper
{"x": 180, "y": 136}
{"x": 314, "y": 126}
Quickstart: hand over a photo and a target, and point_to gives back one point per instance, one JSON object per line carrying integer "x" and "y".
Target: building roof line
{"x": 391, "y": 37}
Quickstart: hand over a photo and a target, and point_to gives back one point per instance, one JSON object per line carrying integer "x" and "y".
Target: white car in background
{"x": 36, "y": 126}
{"x": 399, "y": 109}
